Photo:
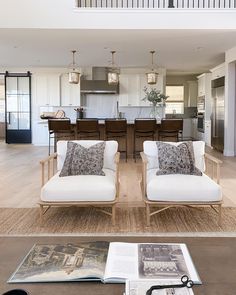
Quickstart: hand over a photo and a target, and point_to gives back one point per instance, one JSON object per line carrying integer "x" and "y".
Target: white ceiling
{"x": 179, "y": 51}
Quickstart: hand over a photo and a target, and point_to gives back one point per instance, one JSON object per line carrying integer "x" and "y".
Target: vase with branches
{"x": 156, "y": 98}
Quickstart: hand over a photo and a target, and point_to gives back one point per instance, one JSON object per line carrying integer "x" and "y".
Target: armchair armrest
{"x": 144, "y": 174}
{"x": 49, "y": 162}
{"x": 52, "y": 156}
{"x": 213, "y": 159}
{"x": 117, "y": 162}
{"x": 215, "y": 163}
{"x": 144, "y": 158}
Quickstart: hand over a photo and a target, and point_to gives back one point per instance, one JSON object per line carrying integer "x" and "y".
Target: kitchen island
{"x": 130, "y": 134}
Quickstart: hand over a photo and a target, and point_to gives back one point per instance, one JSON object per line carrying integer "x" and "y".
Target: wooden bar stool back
{"x": 59, "y": 129}
{"x": 170, "y": 129}
{"x": 87, "y": 129}
{"x": 144, "y": 129}
{"x": 117, "y": 129}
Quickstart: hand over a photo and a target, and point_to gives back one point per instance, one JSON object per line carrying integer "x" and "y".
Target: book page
{"x": 165, "y": 262}
{"x": 58, "y": 262}
{"x": 122, "y": 261}
{"x": 140, "y": 287}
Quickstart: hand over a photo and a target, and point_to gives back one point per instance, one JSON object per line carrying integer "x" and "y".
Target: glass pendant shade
{"x": 152, "y": 75}
{"x": 152, "y": 78}
{"x": 113, "y": 75}
{"x": 113, "y": 78}
{"x": 74, "y": 75}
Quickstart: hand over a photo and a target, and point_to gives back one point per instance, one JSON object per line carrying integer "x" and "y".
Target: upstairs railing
{"x": 146, "y": 4}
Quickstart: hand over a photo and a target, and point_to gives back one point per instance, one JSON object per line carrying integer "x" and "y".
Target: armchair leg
{"x": 41, "y": 214}
{"x": 147, "y": 215}
{"x": 113, "y": 209}
{"x": 220, "y": 215}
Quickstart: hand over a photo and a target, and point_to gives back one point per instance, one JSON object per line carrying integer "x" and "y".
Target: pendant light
{"x": 74, "y": 75}
{"x": 113, "y": 75}
{"x": 152, "y": 75}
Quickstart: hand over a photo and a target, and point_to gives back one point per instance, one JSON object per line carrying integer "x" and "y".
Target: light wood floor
{"x": 20, "y": 177}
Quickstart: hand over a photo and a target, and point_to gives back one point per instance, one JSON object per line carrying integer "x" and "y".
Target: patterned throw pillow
{"x": 176, "y": 159}
{"x": 83, "y": 161}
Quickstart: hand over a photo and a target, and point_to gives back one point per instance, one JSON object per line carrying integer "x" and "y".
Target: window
{"x": 175, "y": 101}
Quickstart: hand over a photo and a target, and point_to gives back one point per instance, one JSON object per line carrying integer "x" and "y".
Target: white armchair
{"x": 166, "y": 191}
{"x": 80, "y": 190}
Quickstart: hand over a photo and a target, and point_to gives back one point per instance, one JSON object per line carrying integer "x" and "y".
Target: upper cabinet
{"x": 70, "y": 93}
{"x": 201, "y": 85}
{"x": 46, "y": 89}
{"x": 192, "y": 93}
{"x": 218, "y": 72}
{"x": 131, "y": 89}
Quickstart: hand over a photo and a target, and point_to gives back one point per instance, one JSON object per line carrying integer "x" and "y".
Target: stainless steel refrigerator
{"x": 218, "y": 114}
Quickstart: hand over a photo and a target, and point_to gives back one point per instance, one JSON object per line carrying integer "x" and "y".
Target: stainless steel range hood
{"x": 99, "y": 83}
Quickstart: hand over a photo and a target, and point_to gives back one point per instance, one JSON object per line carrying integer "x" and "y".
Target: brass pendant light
{"x": 152, "y": 75}
{"x": 113, "y": 73}
{"x": 74, "y": 74}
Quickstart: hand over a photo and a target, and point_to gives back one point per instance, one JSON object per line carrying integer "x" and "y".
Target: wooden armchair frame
{"x": 215, "y": 171}
{"x": 48, "y": 170}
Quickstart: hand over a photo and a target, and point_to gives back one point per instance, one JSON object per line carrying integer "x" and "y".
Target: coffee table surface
{"x": 214, "y": 258}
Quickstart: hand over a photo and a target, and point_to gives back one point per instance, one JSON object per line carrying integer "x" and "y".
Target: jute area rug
{"x": 129, "y": 220}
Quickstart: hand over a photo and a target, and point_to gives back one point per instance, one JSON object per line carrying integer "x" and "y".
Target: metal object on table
{"x": 186, "y": 283}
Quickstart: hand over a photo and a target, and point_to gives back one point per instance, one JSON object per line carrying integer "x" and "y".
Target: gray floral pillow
{"x": 176, "y": 159}
{"x": 83, "y": 161}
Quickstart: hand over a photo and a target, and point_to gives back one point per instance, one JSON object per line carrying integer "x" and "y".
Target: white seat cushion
{"x": 80, "y": 188}
{"x": 181, "y": 188}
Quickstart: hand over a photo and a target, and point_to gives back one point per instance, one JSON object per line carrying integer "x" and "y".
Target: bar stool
{"x": 143, "y": 129}
{"x": 170, "y": 129}
{"x": 87, "y": 129}
{"x": 117, "y": 129}
{"x": 59, "y": 129}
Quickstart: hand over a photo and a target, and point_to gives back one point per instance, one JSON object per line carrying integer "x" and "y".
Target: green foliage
{"x": 154, "y": 96}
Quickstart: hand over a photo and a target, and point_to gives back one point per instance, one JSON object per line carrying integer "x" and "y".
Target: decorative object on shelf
{"x": 152, "y": 75}
{"x": 74, "y": 74}
{"x": 158, "y": 101}
{"x": 80, "y": 112}
{"x": 113, "y": 73}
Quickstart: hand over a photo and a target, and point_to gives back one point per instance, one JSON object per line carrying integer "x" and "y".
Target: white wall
{"x": 230, "y": 105}
{"x": 61, "y": 14}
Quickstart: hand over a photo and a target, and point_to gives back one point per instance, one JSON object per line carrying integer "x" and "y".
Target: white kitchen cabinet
{"x": 131, "y": 89}
{"x": 201, "y": 85}
{"x": 40, "y": 133}
{"x": 192, "y": 93}
{"x": 218, "y": 72}
{"x": 46, "y": 89}
{"x": 70, "y": 93}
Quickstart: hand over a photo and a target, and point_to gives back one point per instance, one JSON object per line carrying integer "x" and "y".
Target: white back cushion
{"x": 109, "y": 152}
{"x": 150, "y": 150}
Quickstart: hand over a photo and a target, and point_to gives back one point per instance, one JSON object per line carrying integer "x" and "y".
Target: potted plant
{"x": 156, "y": 98}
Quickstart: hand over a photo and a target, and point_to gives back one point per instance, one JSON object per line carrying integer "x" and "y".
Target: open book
{"x": 106, "y": 262}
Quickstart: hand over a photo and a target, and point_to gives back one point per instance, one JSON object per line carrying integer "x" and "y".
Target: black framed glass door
{"x": 18, "y": 108}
